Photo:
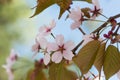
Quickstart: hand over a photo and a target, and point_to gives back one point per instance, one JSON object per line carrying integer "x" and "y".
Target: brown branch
{"x": 105, "y": 24}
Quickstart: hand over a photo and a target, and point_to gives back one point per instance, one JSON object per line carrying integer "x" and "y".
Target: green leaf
{"x": 89, "y": 1}
{"x": 111, "y": 62}
{"x": 100, "y": 57}
{"x": 86, "y": 12}
{"x": 43, "y": 4}
{"x": 59, "y": 72}
{"x": 64, "y": 5}
{"x": 86, "y": 56}
{"x": 36, "y": 75}
{"x": 21, "y": 68}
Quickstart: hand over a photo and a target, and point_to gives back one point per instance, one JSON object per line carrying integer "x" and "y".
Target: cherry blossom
{"x": 43, "y": 44}
{"x": 36, "y": 47}
{"x": 61, "y": 49}
{"x": 10, "y": 61}
{"x": 87, "y": 38}
{"x": 96, "y": 11}
{"x": 46, "y": 30}
{"x": 77, "y": 16}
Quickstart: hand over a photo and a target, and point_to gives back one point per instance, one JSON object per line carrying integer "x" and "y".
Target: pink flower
{"x": 77, "y": 16}
{"x": 46, "y": 30}
{"x": 61, "y": 49}
{"x": 36, "y": 47}
{"x": 43, "y": 44}
{"x": 87, "y": 38}
{"x": 96, "y": 11}
{"x": 10, "y": 61}
{"x": 96, "y": 3}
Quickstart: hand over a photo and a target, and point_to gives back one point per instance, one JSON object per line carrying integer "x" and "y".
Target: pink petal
{"x": 35, "y": 47}
{"x": 43, "y": 42}
{"x": 60, "y": 40}
{"x": 46, "y": 59}
{"x": 52, "y": 47}
{"x": 42, "y": 29}
{"x": 52, "y": 24}
{"x": 87, "y": 38}
{"x": 75, "y": 25}
{"x": 57, "y": 57}
{"x": 68, "y": 55}
{"x": 75, "y": 14}
{"x": 96, "y": 3}
{"x": 69, "y": 45}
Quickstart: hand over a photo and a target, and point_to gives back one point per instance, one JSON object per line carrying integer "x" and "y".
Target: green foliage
{"x": 43, "y": 4}
{"x": 10, "y": 11}
{"x": 21, "y": 68}
{"x": 38, "y": 75}
{"x": 111, "y": 62}
{"x": 86, "y": 56}
{"x": 100, "y": 57}
{"x": 59, "y": 72}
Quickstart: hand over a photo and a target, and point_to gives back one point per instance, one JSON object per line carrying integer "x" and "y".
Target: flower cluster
{"x": 54, "y": 51}
{"x": 78, "y": 16}
{"x": 10, "y": 61}
{"x": 94, "y": 51}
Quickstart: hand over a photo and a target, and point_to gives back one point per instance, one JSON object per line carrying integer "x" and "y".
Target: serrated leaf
{"x": 111, "y": 62}
{"x": 86, "y": 12}
{"x": 21, "y": 67}
{"x": 43, "y": 4}
{"x": 86, "y": 56}
{"x": 59, "y": 72}
{"x": 100, "y": 57}
{"x": 64, "y": 5}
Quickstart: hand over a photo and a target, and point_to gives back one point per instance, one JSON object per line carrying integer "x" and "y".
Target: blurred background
{"x": 18, "y": 31}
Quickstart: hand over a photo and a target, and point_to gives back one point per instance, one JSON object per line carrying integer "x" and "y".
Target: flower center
{"x": 61, "y": 48}
{"x": 95, "y": 12}
{"x": 48, "y": 30}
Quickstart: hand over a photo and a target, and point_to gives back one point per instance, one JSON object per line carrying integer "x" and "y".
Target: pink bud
{"x": 110, "y": 33}
{"x": 106, "y": 36}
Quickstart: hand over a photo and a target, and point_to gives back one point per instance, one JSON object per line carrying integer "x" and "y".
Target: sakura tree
{"x": 99, "y": 48}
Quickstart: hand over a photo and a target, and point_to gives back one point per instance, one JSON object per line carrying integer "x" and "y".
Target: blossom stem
{"x": 52, "y": 35}
{"x": 81, "y": 31}
{"x": 103, "y": 15}
{"x": 104, "y": 29}
{"x": 101, "y": 27}
{"x": 117, "y": 30}
{"x": 77, "y": 46}
{"x": 94, "y": 20}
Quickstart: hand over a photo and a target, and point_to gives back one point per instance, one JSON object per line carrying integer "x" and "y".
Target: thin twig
{"x": 105, "y": 24}
{"x": 77, "y": 46}
{"x": 81, "y": 31}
